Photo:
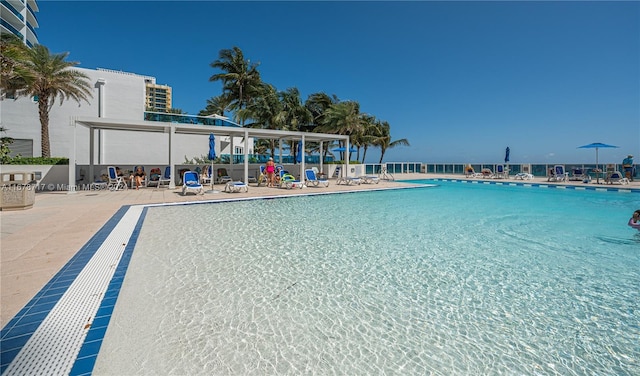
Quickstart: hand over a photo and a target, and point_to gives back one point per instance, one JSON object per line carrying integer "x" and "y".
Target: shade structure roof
{"x": 94, "y": 123}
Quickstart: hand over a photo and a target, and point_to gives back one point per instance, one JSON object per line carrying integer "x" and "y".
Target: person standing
{"x": 271, "y": 172}
{"x": 627, "y": 167}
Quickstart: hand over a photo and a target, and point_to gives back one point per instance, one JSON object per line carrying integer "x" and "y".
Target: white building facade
{"x": 18, "y": 17}
{"x": 115, "y": 95}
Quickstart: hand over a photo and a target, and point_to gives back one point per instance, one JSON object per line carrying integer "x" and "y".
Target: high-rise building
{"x": 158, "y": 97}
{"x": 18, "y": 17}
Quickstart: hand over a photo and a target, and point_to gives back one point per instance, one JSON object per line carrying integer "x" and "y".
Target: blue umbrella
{"x": 299, "y": 155}
{"x": 597, "y": 145}
{"x": 343, "y": 149}
{"x": 506, "y": 155}
{"x": 212, "y": 147}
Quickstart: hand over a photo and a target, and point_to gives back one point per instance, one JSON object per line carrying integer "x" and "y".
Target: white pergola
{"x": 95, "y": 124}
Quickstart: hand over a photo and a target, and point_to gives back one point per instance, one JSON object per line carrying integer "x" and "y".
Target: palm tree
{"x": 384, "y": 140}
{"x": 240, "y": 78}
{"x": 14, "y": 74}
{"x": 317, "y": 104}
{"x": 342, "y": 118}
{"x": 266, "y": 112}
{"x": 216, "y": 105}
{"x": 52, "y": 78}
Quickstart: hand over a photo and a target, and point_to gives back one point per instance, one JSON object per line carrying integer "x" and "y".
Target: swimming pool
{"x": 457, "y": 279}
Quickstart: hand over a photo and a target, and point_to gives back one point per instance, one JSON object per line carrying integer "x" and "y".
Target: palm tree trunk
{"x": 43, "y": 110}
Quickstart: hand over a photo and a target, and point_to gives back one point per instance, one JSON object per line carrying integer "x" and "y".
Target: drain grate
{"x": 54, "y": 346}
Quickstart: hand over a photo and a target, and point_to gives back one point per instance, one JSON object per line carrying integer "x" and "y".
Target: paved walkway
{"x": 37, "y": 243}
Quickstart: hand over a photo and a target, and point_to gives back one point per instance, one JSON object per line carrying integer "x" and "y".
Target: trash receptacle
{"x": 17, "y": 190}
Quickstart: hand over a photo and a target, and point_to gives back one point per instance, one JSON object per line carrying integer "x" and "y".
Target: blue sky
{"x": 460, "y": 80}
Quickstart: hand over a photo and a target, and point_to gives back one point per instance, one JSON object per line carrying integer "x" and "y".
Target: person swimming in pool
{"x": 634, "y": 221}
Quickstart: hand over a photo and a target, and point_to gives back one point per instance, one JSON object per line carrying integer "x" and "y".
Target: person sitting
{"x": 119, "y": 172}
{"x": 627, "y": 167}
{"x": 138, "y": 176}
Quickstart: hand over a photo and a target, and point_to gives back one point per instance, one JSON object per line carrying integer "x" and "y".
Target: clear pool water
{"x": 460, "y": 279}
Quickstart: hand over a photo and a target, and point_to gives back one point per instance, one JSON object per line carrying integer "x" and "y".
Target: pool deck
{"x": 38, "y": 242}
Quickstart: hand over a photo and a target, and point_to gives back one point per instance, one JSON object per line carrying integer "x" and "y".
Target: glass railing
{"x": 12, "y": 9}
{"x": 536, "y": 169}
{"x": 12, "y": 29}
{"x": 187, "y": 119}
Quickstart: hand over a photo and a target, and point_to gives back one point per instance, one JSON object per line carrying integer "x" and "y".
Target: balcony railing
{"x": 12, "y": 9}
{"x": 187, "y": 119}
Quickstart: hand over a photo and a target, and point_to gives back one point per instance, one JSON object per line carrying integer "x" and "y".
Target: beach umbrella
{"x": 299, "y": 155}
{"x": 343, "y": 149}
{"x": 597, "y": 145}
{"x": 212, "y": 155}
{"x": 506, "y": 155}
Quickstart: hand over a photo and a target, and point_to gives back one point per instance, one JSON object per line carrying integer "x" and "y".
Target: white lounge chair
{"x": 346, "y": 180}
{"x": 524, "y": 176}
{"x": 616, "y": 177}
{"x": 312, "y": 179}
{"x": 235, "y": 186}
{"x": 192, "y": 183}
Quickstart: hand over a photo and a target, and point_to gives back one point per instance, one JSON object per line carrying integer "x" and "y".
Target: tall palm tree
{"x": 240, "y": 78}
{"x": 295, "y": 115}
{"x": 342, "y": 118}
{"x": 317, "y": 104}
{"x": 266, "y": 112}
{"x": 384, "y": 140}
{"x": 53, "y": 77}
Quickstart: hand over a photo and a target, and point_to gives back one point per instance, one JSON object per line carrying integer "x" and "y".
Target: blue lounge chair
{"x": 557, "y": 173}
{"x": 192, "y": 183}
{"x": 166, "y": 177}
{"x": 312, "y": 178}
{"x": 223, "y": 176}
{"x": 501, "y": 172}
{"x": 115, "y": 182}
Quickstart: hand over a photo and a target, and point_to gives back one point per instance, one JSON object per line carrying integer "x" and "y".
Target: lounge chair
{"x": 501, "y": 172}
{"x": 312, "y": 179}
{"x": 346, "y": 180}
{"x": 289, "y": 181}
{"x": 486, "y": 173}
{"x": 166, "y": 177}
{"x": 144, "y": 179}
{"x": 115, "y": 182}
{"x": 235, "y": 186}
{"x": 471, "y": 173}
{"x": 192, "y": 183}
{"x": 578, "y": 174}
{"x": 154, "y": 176}
{"x": 557, "y": 173}
{"x": 207, "y": 174}
{"x": 524, "y": 176}
{"x": 223, "y": 176}
{"x": 616, "y": 177}
{"x": 369, "y": 179}
{"x": 262, "y": 176}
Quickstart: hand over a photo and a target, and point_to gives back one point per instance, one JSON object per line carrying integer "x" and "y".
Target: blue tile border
{"x": 88, "y": 354}
{"x": 543, "y": 185}
{"x": 21, "y": 327}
